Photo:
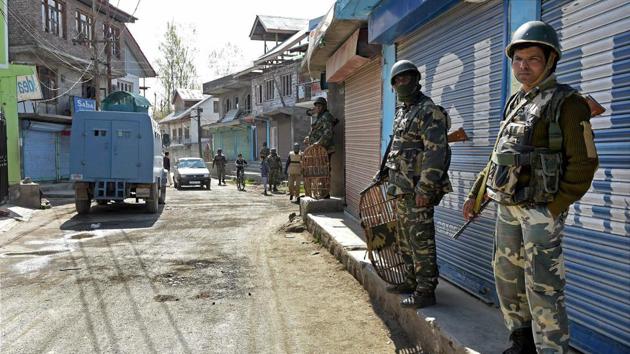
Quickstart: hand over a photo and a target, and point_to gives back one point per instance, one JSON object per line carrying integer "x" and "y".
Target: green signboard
{"x": 4, "y": 35}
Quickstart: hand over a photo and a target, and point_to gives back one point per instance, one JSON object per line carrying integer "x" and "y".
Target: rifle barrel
{"x": 459, "y": 232}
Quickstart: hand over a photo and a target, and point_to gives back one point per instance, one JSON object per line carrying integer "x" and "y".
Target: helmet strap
{"x": 550, "y": 62}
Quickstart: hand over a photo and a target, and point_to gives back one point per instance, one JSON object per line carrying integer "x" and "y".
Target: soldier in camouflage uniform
{"x": 543, "y": 161}
{"x": 322, "y": 128}
{"x": 321, "y": 131}
{"x": 264, "y": 151}
{"x": 275, "y": 170}
{"x": 418, "y": 163}
{"x": 219, "y": 161}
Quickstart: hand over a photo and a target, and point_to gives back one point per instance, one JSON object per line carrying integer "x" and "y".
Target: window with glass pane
{"x": 53, "y": 17}
{"x": 114, "y": 34}
{"x": 84, "y": 27}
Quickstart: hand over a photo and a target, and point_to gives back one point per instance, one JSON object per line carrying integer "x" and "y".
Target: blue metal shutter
{"x": 460, "y": 56}
{"x": 596, "y": 60}
{"x": 64, "y": 156}
{"x": 39, "y": 154}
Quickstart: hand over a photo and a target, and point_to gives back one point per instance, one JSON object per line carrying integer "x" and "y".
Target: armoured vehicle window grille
{"x": 124, "y": 134}
{"x": 99, "y": 132}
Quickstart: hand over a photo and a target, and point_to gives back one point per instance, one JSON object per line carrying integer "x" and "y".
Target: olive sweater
{"x": 578, "y": 167}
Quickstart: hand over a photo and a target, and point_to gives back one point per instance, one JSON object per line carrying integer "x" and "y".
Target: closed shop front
{"x": 460, "y": 57}
{"x": 362, "y": 131}
{"x": 595, "y": 43}
{"x": 45, "y": 151}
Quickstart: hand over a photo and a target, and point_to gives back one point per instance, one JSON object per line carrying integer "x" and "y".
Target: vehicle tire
{"x": 208, "y": 186}
{"x": 102, "y": 202}
{"x": 153, "y": 202}
{"x": 82, "y": 206}
{"x": 162, "y": 198}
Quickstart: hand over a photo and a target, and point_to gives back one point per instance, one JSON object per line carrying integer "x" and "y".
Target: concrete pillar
{"x": 336, "y": 106}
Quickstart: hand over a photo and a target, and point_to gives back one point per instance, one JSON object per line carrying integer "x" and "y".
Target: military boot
{"x": 419, "y": 300}
{"x": 522, "y": 342}
{"x": 401, "y": 288}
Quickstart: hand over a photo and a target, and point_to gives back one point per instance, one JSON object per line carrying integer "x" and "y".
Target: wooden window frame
{"x": 269, "y": 90}
{"x": 107, "y": 30}
{"x": 60, "y": 26}
{"x": 287, "y": 83}
{"x": 49, "y": 82}
{"x": 259, "y": 94}
{"x": 90, "y": 26}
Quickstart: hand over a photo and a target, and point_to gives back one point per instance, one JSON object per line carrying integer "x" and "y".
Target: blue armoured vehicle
{"x": 117, "y": 154}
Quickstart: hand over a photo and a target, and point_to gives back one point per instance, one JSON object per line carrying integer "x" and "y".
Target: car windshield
{"x": 191, "y": 164}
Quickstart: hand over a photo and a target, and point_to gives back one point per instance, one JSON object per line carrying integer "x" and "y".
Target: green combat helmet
{"x": 320, "y": 100}
{"x": 535, "y": 32}
{"x": 403, "y": 66}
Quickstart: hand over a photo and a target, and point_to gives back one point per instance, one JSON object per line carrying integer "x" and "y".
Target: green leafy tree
{"x": 226, "y": 60}
{"x": 175, "y": 67}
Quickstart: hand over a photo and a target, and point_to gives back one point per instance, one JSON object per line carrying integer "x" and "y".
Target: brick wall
{"x": 29, "y": 14}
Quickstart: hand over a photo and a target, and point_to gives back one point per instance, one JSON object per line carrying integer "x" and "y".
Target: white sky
{"x": 215, "y": 21}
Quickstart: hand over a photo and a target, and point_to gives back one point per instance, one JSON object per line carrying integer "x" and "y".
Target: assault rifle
{"x": 458, "y": 135}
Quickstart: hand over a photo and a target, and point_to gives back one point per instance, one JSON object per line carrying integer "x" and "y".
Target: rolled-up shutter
{"x": 363, "y": 130}
{"x": 596, "y": 60}
{"x": 460, "y": 56}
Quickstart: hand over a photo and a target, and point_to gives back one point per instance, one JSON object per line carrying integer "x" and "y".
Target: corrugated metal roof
{"x": 276, "y": 23}
{"x": 205, "y": 118}
{"x": 282, "y": 47}
{"x": 189, "y": 95}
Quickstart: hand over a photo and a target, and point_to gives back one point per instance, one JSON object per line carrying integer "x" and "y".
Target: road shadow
{"x": 113, "y": 216}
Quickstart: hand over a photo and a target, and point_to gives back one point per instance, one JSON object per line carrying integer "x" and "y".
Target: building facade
{"x": 182, "y": 125}
{"x": 60, "y": 38}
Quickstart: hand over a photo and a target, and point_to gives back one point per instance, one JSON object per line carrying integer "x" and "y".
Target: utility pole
{"x": 97, "y": 78}
{"x": 199, "y": 110}
{"x": 108, "y": 48}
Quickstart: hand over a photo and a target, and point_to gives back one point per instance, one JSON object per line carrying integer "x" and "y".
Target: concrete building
{"x": 60, "y": 38}
{"x": 234, "y": 131}
{"x": 182, "y": 124}
{"x": 278, "y": 119}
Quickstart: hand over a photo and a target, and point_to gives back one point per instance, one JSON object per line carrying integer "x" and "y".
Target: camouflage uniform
{"x": 533, "y": 195}
{"x": 275, "y": 170}
{"x": 418, "y": 163}
{"x": 264, "y": 152}
{"x": 322, "y": 131}
{"x": 219, "y": 161}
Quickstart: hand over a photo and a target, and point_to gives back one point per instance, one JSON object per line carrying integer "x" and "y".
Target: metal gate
{"x": 460, "y": 57}
{"x": 363, "y": 130}
{"x": 595, "y": 59}
{"x": 4, "y": 161}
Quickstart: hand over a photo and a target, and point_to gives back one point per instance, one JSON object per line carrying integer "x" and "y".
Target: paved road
{"x": 210, "y": 273}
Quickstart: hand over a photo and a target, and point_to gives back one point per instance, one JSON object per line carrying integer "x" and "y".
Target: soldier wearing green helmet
{"x": 417, "y": 164}
{"x": 543, "y": 161}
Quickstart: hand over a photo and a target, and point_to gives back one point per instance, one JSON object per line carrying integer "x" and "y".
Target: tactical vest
{"x": 514, "y": 150}
{"x": 402, "y": 160}
{"x": 295, "y": 161}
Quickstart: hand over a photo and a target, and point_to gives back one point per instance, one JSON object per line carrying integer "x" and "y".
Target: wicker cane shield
{"x": 378, "y": 218}
{"x": 316, "y": 171}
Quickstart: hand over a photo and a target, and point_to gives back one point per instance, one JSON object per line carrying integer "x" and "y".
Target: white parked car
{"x": 191, "y": 171}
